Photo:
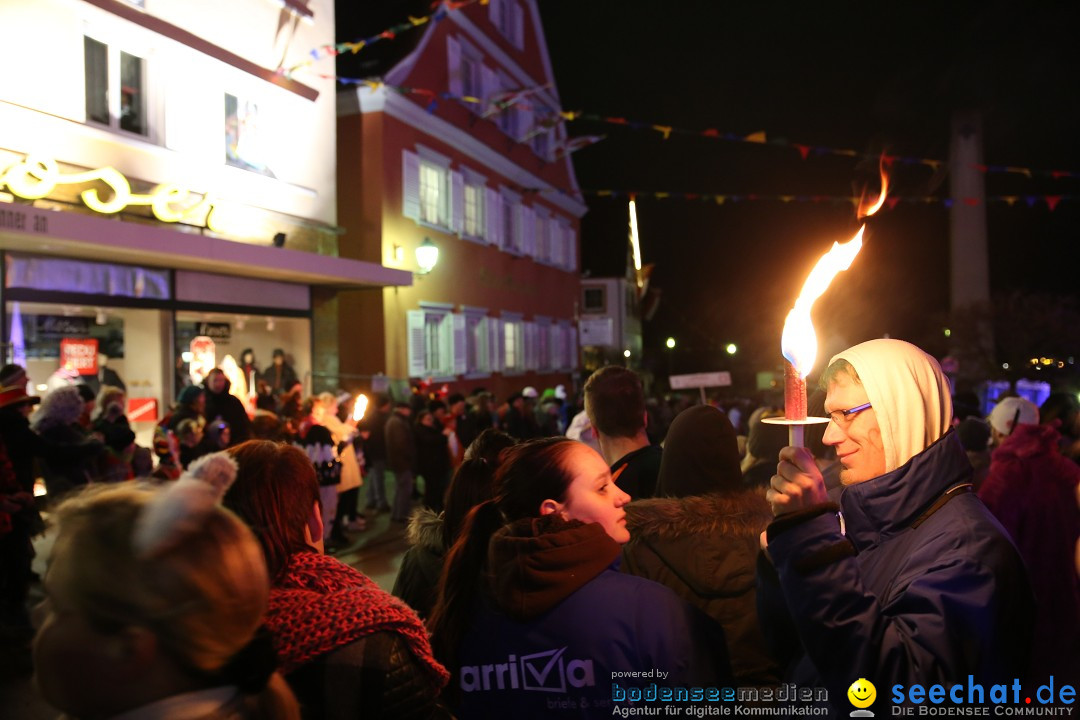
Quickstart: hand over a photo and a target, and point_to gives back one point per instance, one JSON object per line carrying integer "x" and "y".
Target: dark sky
{"x": 865, "y": 76}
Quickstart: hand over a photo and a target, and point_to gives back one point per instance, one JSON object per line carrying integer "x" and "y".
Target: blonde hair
{"x": 203, "y": 596}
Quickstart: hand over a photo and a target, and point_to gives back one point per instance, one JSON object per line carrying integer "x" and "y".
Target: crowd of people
{"x": 562, "y": 555}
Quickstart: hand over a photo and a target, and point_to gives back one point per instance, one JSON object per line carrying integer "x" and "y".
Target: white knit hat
{"x": 1012, "y": 411}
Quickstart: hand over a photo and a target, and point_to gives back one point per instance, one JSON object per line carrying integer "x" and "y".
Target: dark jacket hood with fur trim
{"x": 705, "y": 549}
{"x": 679, "y": 531}
{"x": 536, "y": 563}
{"x": 426, "y": 531}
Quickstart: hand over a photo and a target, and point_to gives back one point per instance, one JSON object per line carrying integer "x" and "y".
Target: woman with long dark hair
{"x": 530, "y": 598}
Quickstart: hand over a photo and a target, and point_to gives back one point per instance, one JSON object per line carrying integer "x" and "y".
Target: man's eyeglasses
{"x": 843, "y": 417}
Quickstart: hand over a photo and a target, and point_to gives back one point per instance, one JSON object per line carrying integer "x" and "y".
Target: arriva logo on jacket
{"x": 547, "y": 671}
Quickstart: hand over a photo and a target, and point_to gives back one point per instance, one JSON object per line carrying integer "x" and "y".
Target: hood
{"x": 1027, "y": 441}
{"x": 426, "y": 530}
{"x": 709, "y": 541}
{"x": 701, "y": 454}
{"x": 536, "y": 563}
{"x": 888, "y": 504}
{"x": 911, "y": 396}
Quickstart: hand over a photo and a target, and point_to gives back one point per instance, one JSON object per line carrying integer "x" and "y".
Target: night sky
{"x": 864, "y": 76}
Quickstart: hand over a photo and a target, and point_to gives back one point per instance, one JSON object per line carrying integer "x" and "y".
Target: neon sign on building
{"x": 36, "y": 177}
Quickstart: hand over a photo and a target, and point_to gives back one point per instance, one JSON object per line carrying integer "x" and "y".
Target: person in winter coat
{"x": 914, "y": 581}
{"x": 1031, "y": 489}
{"x": 401, "y": 460}
{"x": 699, "y": 537}
{"x": 57, "y": 422}
{"x": 531, "y": 598}
{"x": 431, "y": 534}
{"x": 432, "y": 458}
{"x": 347, "y": 648}
{"x": 220, "y": 404}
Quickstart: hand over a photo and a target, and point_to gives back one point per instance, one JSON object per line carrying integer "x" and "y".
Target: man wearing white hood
{"x": 912, "y": 581}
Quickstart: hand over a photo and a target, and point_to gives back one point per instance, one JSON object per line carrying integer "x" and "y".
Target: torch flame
{"x": 870, "y": 210}
{"x": 799, "y": 342}
{"x": 359, "y": 407}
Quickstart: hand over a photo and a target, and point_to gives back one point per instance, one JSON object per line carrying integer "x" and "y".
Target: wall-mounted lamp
{"x": 427, "y": 254}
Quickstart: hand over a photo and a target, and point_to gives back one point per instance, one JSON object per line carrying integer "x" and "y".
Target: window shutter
{"x": 493, "y": 11}
{"x": 495, "y": 344}
{"x": 457, "y": 201}
{"x": 526, "y": 118}
{"x": 528, "y": 330}
{"x": 446, "y": 345}
{"x": 557, "y": 352}
{"x": 528, "y": 231}
{"x": 518, "y": 19}
{"x": 570, "y": 261}
{"x": 417, "y": 359}
{"x": 493, "y": 209}
{"x": 453, "y": 66}
{"x": 460, "y": 348}
{"x": 558, "y": 230}
{"x": 490, "y": 86}
{"x": 410, "y": 190}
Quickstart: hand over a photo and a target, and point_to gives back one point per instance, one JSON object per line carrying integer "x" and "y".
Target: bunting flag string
{"x": 501, "y": 101}
{"x": 440, "y": 9}
{"x": 1050, "y": 201}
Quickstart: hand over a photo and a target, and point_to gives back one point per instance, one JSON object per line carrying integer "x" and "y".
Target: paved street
{"x": 376, "y": 552}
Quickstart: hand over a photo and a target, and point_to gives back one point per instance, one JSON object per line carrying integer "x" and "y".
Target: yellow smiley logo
{"x": 862, "y": 693}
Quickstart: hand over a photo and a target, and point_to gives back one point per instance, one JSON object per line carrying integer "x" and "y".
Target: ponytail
{"x": 459, "y": 580}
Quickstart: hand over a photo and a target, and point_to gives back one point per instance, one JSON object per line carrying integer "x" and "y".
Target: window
{"x": 543, "y": 239}
{"x": 426, "y": 189}
{"x": 543, "y": 345}
{"x": 430, "y": 342}
{"x": 513, "y": 344}
{"x": 476, "y": 338}
{"x": 245, "y": 146}
{"x": 594, "y": 300}
{"x": 508, "y": 17}
{"x": 507, "y": 117}
{"x": 115, "y": 87}
{"x": 432, "y": 194}
{"x": 474, "y": 209}
{"x": 465, "y": 72}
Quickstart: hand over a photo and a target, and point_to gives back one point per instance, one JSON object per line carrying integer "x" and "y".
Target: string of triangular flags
{"x": 1050, "y": 201}
{"x": 440, "y": 9}
{"x": 501, "y": 101}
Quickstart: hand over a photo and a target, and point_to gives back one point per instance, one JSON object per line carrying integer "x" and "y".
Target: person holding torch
{"x": 910, "y": 580}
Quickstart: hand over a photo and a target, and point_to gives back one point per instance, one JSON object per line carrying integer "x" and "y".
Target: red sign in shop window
{"x": 79, "y": 355}
{"x": 142, "y": 410}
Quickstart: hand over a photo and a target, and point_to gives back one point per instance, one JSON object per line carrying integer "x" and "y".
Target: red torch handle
{"x": 794, "y": 394}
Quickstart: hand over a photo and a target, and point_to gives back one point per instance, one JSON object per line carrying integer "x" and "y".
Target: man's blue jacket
{"x": 913, "y": 582}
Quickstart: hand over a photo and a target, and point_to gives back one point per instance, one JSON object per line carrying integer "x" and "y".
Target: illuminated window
{"x": 474, "y": 210}
{"x": 116, "y": 93}
{"x": 513, "y": 342}
{"x": 433, "y": 194}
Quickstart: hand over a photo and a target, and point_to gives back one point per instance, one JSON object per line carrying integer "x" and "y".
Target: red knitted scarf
{"x": 321, "y": 604}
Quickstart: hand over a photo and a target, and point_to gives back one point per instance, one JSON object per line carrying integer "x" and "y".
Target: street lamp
{"x": 731, "y": 349}
{"x": 427, "y": 254}
{"x": 670, "y": 343}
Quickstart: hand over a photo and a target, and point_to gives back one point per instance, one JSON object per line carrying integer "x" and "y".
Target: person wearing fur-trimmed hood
{"x": 699, "y": 537}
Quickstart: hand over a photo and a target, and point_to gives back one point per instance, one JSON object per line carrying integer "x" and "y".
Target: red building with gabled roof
{"x": 487, "y": 183}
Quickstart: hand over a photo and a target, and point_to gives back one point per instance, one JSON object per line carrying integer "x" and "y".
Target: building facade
{"x": 474, "y": 164}
{"x": 166, "y": 198}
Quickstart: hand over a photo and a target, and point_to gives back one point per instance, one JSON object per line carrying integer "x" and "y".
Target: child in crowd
{"x": 154, "y": 600}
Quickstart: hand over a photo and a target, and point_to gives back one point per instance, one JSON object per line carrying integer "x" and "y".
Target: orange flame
{"x": 799, "y": 342}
